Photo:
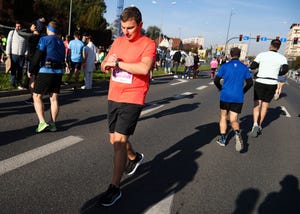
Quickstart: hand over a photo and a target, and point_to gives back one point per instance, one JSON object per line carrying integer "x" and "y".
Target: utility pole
{"x": 120, "y": 7}
{"x": 70, "y": 17}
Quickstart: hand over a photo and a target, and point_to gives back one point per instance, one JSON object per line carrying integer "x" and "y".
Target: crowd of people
{"x": 18, "y": 48}
{"x": 129, "y": 60}
{"x": 37, "y": 57}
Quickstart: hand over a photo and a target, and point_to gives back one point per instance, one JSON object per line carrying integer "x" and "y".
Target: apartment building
{"x": 292, "y": 49}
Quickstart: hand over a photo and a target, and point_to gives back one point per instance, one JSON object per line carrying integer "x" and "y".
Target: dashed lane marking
{"x": 285, "y": 111}
{"x": 185, "y": 94}
{"x": 202, "y": 87}
{"x": 38, "y": 153}
{"x": 180, "y": 81}
{"x": 162, "y": 207}
{"x": 150, "y": 108}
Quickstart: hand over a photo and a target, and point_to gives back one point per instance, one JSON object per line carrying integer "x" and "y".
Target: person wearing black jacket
{"x": 33, "y": 38}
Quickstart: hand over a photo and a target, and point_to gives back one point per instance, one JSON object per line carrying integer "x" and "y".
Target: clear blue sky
{"x": 210, "y": 18}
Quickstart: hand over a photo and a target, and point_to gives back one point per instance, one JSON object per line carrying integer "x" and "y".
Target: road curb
{"x": 17, "y": 92}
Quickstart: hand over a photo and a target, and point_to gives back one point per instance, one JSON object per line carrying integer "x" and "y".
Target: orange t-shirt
{"x": 124, "y": 86}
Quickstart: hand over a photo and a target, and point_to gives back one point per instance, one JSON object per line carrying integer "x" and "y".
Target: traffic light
{"x": 257, "y": 38}
{"x": 295, "y": 41}
{"x": 241, "y": 37}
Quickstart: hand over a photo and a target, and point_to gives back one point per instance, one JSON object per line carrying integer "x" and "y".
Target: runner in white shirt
{"x": 270, "y": 64}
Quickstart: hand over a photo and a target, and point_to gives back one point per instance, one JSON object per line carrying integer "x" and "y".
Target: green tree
{"x": 86, "y": 14}
{"x": 153, "y": 32}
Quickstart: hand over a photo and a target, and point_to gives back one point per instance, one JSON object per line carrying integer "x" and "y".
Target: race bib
{"x": 122, "y": 76}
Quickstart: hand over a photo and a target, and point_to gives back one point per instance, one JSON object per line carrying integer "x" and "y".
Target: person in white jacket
{"x": 89, "y": 56}
{"x": 15, "y": 49}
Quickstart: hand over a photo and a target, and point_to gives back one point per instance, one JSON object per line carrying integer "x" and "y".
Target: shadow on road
{"x": 287, "y": 200}
{"x": 168, "y": 173}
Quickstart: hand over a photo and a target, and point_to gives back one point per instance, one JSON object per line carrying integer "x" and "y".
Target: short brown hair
{"x": 131, "y": 13}
{"x": 235, "y": 52}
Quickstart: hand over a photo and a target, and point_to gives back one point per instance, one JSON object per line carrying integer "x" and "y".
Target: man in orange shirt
{"x": 129, "y": 60}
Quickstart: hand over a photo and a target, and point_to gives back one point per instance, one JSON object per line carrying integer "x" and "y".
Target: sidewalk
{"x": 14, "y": 92}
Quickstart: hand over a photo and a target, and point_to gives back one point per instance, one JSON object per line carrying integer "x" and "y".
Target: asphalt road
{"x": 184, "y": 170}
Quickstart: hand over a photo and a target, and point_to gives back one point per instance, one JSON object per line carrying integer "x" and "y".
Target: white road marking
{"x": 202, "y": 87}
{"x": 150, "y": 108}
{"x": 179, "y": 96}
{"x": 180, "y": 81}
{"x": 211, "y": 83}
{"x": 38, "y": 153}
{"x": 285, "y": 111}
{"x": 162, "y": 207}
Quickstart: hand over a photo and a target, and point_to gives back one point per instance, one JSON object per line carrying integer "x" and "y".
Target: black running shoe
{"x": 111, "y": 195}
{"x": 132, "y": 165}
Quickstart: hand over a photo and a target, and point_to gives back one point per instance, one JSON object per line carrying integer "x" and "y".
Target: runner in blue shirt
{"x": 234, "y": 73}
{"x": 50, "y": 54}
{"x": 76, "y": 48}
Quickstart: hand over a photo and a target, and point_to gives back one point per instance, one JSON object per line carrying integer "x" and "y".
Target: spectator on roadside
{"x": 51, "y": 55}
{"x": 41, "y": 26}
{"x": 270, "y": 64}
{"x": 99, "y": 57}
{"x": 32, "y": 38}
{"x": 89, "y": 57}
{"x": 84, "y": 38}
{"x": 67, "y": 56}
{"x": 235, "y": 74}
{"x": 188, "y": 66}
{"x": 176, "y": 62}
{"x": 162, "y": 58}
{"x": 129, "y": 61}
{"x": 196, "y": 65}
{"x": 168, "y": 62}
{"x": 76, "y": 52}
{"x": 2, "y": 51}
{"x": 15, "y": 50}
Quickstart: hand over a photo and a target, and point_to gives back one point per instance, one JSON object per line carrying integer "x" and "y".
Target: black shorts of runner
{"x": 264, "y": 92}
{"x": 47, "y": 83}
{"x": 123, "y": 117}
{"x": 75, "y": 65}
{"x": 235, "y": 107}
{"x": 213, "y": 69}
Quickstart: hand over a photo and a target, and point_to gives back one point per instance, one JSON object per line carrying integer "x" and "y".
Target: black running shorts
{"x": 235, "y": 107}
{"x": 76, "y": 65}
{"x": 123, "y": 117}
{"x": 264, "y": 92}
{"x": 47, "y": 83}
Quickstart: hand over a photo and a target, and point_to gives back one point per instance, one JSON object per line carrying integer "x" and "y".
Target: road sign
{"x": 263, "y": 39}
{"x": 246, "y": 37}
{"x": 283, "y": 39}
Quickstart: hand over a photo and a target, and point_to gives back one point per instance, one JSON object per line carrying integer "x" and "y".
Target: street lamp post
{"x": 70, "y": 18}
{"x": 162, "y": 13}
{"x": 228, "y": 29}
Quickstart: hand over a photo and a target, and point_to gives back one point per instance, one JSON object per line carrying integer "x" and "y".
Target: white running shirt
{"x": 270, "y": 63}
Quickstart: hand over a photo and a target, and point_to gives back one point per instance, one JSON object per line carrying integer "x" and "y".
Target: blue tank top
{"x": 54, "y": 50}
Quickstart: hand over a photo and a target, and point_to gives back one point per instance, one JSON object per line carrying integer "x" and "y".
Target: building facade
{"x": 196, "y": 40}
{"x": 293, "y": 50}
